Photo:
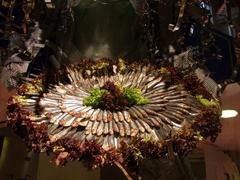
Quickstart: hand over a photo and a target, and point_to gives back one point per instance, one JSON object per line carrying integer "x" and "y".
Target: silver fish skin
{"x": 127, "y": 116}
{"x": 100, "y": 128}
{"x": 175, "y": 122}
{"x": 145, "y": 125}
{"x": 59, "y": 135}
{"x": 100, "y": 140}
{"x": 72, "y": 101}
{"x": 111, "y": 131}
{"x": 141, "y": 109}
{"x": 155, "y": 136}
{"x": 79, "y": 122}
{"x": 90, "y": 137}
{"x": 52, "y": 128}
{"x": 136, "y": 112}
{"x": 100, "y": 116}
{"x": 155, "y": 107}
{"x": 56, "y": 121}
{"x": 115, "y": 127}
{"x": 65, "y": 119}
{"x": 140, "y": 127}
{"x": 154, "y": 82}
{"x": 80, "y": 135}
{"x": 158, "y": 86}
{"x": 121, "y": 129}
{"x": 105, "y": 119}
{"x": 115, "y": 117}
{"x": 154, "y": 94}
{"x": 120, "y": 116}
{"x": 111, "y": 141}
{"x": 134, "y": 129}
{"x": 165, "y": 119}
{"x": 139, "y": 80}
{"x": 71, "y": 97}
{"x": 172, "y": 117}
{"x": 71, "y": 108}
{"x": 94, "y": 115}
{"x": 95, "y": 126}
{"x": 109, "y": 116}
{"x": 150, "y": 123}
{"x": 154, "y": 122}
{"x": 55, "y": 117}
{"x": 88, "y": 128}
{"x": 106, "y": 128}
{"x": 151, "y": 112}
{"x": 127, "y": 128}
{"x": 179, "y": 96}
{"x": 46, "y": 102}
{"x": 105, "y": 143}
{"x": 69, "y": 122}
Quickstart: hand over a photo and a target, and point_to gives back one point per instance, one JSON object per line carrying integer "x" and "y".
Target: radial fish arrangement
{"x": 105, "y": 106}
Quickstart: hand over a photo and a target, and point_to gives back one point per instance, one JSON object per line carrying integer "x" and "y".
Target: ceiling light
{"x": 229, "y": 113}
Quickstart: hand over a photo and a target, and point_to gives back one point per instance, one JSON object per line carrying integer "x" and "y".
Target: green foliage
{"x": 122, "y": 65}
{"x": 134, "y": 96}
{"x": 99, "y": 66}
{"x": 94, "y": 98}
{"x": 20, "y": 99}
{"x": 206, "y": 102}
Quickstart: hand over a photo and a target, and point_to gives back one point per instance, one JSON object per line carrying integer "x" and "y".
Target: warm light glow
{"x": 229, "y": 113}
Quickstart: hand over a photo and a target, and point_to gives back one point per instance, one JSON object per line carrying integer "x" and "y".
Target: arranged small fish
{"x": 105, "y": 143}
{"x": 154, "y": 121}
{"x": 145, "y": 125}
{"x": 120, "y": 116}
{"x": 137, "y": 113}
{"x": 88, "y": 128}
{"x": 58, "y": 118}
{"x": 109, "y": 116}
{"x": 115, "y": 127}
{"x": 100, "y": 128}
{"x": 95, "y": 126}
{"x": 168, "y": 109}
{"x": 52, "y": 128}
{"x": 111, "y": 141}
{"x": 90, "y": 137}
{"x": 155, "y": 82}
{"x": 100, "y": 140}
{"x": 141, "y": 110}
{"x": 79, "y": 122}
{"x": 111, "y": 131}
{"x": 134, "y": 128}
{"x": 140, "y": 127}
{"x": 165, "y": 119}
{"x": 154, "y": 136}
{"x": 100, "y": 115}
{"x": 115, "y": 117}
{"x": 127, "y": 116}
{"x": 94, "y": 115}
{"x": 127, "y": 128}
{"x": 65, "y": 119}
{"x": 59, "y": 135}
{"x": 106, "y": 128}
{"x": 121, "y": 129}
{"x": 151, "y": 112}
{"x": 69, "y": 122}
{"x": 173, "y": 118}
{"x": 105, "y": 118}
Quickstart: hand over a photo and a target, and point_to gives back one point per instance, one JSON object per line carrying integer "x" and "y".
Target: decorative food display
{"x": 108, "y": 112}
